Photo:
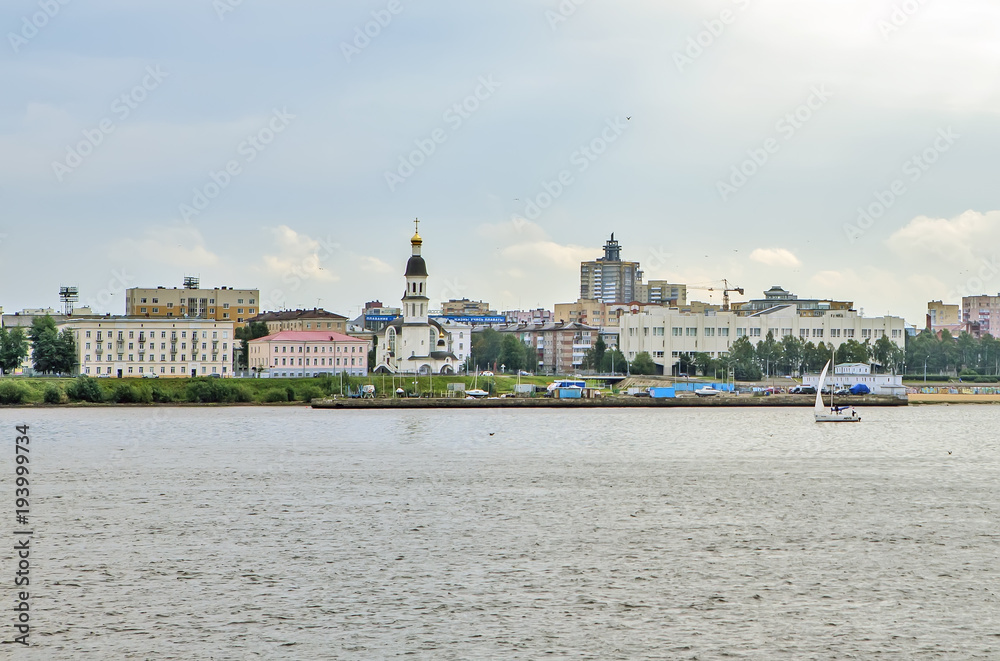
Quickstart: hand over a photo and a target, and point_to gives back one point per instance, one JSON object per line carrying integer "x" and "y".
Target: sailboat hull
{"x": 837, "y": 417}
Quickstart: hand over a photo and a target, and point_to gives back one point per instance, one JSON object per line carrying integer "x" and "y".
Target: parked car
{"x": 215, "y": 376}
{"x": 150, "y": 375}
{"x": 803, "y": 390}
{"x": 524, "y": 373}
{"x": 842, "y": 391}
{"x": 486, "y": 373}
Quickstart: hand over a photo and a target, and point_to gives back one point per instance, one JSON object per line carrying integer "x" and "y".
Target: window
{"x": 156, "y": 300}
{"x": 709, "y": 332}
{"x": 143, "y": 300}
{"x": 817, "y": 332}
{"x": 240, "y": 301}
{"x": 170, "y": 305}
{"x": 658, "y": 331}
{"x": 848, "y": 332}
{"x": 785, "y": 332}
{"x": 803, "y": 332}
{"x": 754, "y": 332}
{"x": 225, "y": 306}
{"x": 142, "y": 310}
{"x": 691, "y": 332}
{"x": 834, "y": 332}
{"x": 251, "y": 300}
{"x": 676, "y": 332}
{"x": 723, "y": 332}
{"x": 741, "y": 332}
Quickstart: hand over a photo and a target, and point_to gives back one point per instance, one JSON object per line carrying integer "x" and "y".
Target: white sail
{"x": 820, "y": 408}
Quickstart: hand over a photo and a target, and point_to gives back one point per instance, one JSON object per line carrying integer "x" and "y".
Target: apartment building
{"x": 220, "y": 304}
{"x": 610, "y": 279}
{"x": 302, "y": 320}
{"x": 983, "y": 310}
{"x": 666, "y": 334}
{"x": 559, "y": 347}
{"x": 132, "y": 346}
{"x": 465, "y": 307}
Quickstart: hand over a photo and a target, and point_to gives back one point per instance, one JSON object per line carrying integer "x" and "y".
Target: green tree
{"x": 13, "y": 349}
{"x": 853, "y": 351}
{"x": 882, "y": 351}
{"x": 68, "y": 360}
{"x": 512, "y": 352}
{"x": 816, "y": 356}
{"x": 45, "y": 349}
{"x": 791, "y": 353}
{"x": 643, "y": 364}
{"x": 600, "y": 348}
{"x": 614, "y": 362}
{"x": 486, "y": 347}
{"x": 244, "y": 334}
{"x": 768, "y": 353}
{"x": 703, "y": 362}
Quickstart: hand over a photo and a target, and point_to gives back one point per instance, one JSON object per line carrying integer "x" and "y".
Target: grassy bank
{"x": 43, "y": 390}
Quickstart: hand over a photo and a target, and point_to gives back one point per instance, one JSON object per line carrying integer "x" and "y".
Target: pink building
{"x": 308, "y": 353}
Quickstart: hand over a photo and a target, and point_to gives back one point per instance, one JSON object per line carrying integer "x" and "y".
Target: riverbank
{"x": 599, "y": 402}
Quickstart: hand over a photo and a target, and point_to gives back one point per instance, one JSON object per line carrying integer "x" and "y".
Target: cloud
{"x": 298, "y": 256}
{"x": 960, "y": 241}
{"x": 176, "y": 246}
{"x": 775, "y": 257}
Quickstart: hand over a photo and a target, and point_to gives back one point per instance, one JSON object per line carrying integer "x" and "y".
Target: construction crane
{"x": 725, "y": 291}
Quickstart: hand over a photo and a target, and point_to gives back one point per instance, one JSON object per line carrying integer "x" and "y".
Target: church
{"x": 414, "y": 343}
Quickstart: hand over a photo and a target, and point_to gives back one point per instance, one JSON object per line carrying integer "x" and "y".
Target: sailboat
{"x": 834, "y": 414}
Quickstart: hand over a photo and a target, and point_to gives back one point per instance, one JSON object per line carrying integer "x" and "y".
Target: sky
{"x": 841, "y": 150}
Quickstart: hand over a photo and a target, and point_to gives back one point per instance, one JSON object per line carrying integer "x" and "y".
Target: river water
{"x": 288, "y": 533}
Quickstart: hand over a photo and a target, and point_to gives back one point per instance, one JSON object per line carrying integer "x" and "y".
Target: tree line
{"x": 51, "y": 352}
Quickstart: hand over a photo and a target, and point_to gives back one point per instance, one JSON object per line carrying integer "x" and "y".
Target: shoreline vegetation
{"x": 202, "y": 391}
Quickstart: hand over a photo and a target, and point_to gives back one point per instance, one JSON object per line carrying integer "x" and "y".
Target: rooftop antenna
{"x": 68, "y": 296}
{"x": 191, "y": 282}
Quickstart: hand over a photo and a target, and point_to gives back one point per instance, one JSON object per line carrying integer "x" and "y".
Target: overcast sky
{"x": 758, "y": 129}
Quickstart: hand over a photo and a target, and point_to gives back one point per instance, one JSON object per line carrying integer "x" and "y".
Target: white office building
{"x": 667, "y": 333}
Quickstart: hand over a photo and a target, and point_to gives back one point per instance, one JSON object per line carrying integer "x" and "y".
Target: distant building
{"x": 376, "y": 316}
{"x": 666, "y": 333}
{"x": 294, "y": 353}
{"x": 984, "y": 310}
{"x": 133, "y": 346}
{"x": 776, "y": 297}
{"x": 661, "y": 292}
{"x": 849, "y": 375}
{"x": 465, "y": 307}
{"x": 942, "y": 316}
{"x": 302, "y": 320}
{"x": 536, "y": 316}
{"x": 609, "y": 279}
{"x": 220, "y": 303}
{"x": 559, "y": 348}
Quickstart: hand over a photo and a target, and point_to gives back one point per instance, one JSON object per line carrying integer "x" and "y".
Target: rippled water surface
{"x": 278, "y": 533}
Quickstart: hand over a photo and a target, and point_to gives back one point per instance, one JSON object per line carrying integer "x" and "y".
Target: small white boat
{"x": 707, "y": 391}
{"x": 476, "y": 394}
{"x": 834, "y": 413}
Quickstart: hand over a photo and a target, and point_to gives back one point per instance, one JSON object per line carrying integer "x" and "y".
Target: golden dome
{"x": 416, "y": 240}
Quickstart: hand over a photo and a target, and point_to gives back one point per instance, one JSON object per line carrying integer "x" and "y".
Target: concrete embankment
{"x": 599, "y": 402}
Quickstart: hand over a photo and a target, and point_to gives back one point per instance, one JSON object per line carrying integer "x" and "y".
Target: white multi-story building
{"x": 667, "y": 334}
{"x": 133, "y": 346}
